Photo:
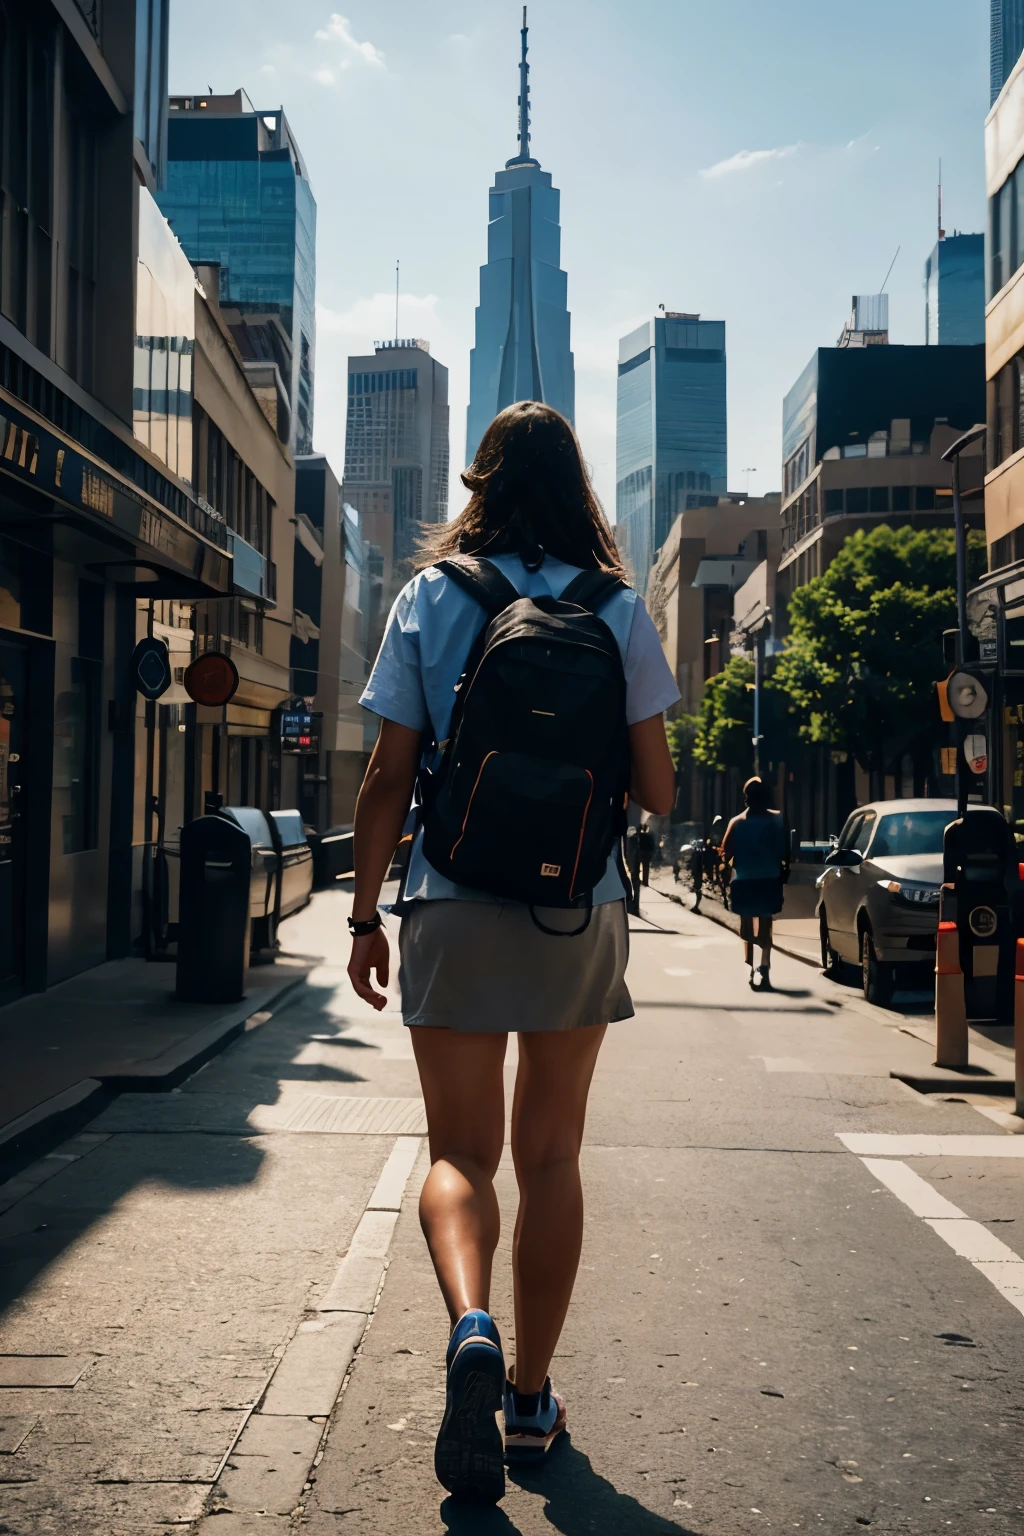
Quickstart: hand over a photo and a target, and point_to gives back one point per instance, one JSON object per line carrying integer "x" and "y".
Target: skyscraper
{"x": 238, "y": 198}
{"x": 670, "y": 442}
{"x": 1006, "y": 42}
{"x": 396, "y": 451}
{"x": 522, "y": 321}
{"x": 954, "y": 290}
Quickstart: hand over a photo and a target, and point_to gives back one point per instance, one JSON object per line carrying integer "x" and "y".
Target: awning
{"x": 150, "y": 549}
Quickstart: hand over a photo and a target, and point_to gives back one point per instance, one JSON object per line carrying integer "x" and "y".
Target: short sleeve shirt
{"x": 429, "y": 635}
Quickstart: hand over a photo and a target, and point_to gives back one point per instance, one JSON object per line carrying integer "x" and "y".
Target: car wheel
{"x": 831, "y": 965}
{"x": 876, "y": 978}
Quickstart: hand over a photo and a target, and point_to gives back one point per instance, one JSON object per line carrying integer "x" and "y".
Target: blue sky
{"x": 757, "y": 161}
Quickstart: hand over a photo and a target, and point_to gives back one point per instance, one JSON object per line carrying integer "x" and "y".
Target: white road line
{"x": 868, "y": 1145}
{"x": 916, "y": 1193}
{"x": 1001, "y": 1267}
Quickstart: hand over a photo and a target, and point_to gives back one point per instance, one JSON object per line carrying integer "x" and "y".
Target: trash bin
{"x": 265, "y": 865}
{"x": 213, "y": 913}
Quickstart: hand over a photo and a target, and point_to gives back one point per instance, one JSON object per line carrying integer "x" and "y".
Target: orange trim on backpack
{"x": 469, "y": 807}
{"x": 583, "y": 828}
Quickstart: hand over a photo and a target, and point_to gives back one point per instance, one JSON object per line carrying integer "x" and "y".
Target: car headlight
{"x": 914, "y": 895}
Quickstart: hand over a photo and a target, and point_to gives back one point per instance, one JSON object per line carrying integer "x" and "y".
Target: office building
{"x": 396, "y": 451}
{"x": 1006, "y": 41}
{"x": 864, "y": 428}
{"x": 238, "y": 198}
{"x": 97, "y": 511}
{"x": 522, "y": 321}
{"x": 670, "y": 440}
{"x": 954, "y": 289}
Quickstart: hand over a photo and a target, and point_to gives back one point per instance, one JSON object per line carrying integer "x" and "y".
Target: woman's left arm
{"x": 381, "y": 809}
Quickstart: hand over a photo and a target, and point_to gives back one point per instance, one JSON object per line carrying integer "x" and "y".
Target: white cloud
{"x": 339, "y": 30}
{"x": 746, "y": 159}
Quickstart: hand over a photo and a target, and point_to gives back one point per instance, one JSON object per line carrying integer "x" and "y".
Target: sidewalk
{"x": 114, "y": 1028}
{"x": 795, "y": 931}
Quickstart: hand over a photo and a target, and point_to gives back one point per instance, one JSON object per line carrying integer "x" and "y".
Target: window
{"x": 856, "y": 498}
{"x": 833, "y": 503}
{"x": 924, "y": 498}
{"x": 26, "y": 168}
{"x": 879, "y": 498}
{"x": 901, "y": 498}
{"x": 911, "y": 834}
{"x": 862, "y": 833}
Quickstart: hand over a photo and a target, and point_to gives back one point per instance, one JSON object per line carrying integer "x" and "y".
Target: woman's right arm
{"x": 652, "y": 783}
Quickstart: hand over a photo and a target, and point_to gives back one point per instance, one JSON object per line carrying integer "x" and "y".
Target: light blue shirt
{"x": 428, "y": 639}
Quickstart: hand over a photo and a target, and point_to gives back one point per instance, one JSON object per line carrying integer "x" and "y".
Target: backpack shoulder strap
{"x": 482, "y": 580}
{"x": 592, "y": 589}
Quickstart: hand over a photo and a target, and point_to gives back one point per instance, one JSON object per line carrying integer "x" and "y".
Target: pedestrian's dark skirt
{"x": 755, "y": 898}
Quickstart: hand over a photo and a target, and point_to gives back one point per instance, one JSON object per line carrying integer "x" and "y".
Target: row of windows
{"x": 1005, "y": 244}
{"x": 377, "y": 383}
{"x": 1005, "y": 412}
{"x": 229, "y": 485}
{"x": 803, "y": 515}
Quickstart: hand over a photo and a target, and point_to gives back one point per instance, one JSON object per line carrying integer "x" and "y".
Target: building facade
{"x": 238, "y": 198}
{"x": 97, "y": 510}
{"x": 522, "y": 349}
{"x": 396, "y": 453}
{"x": 954, "y": 292}
{"x": 671, "y": 439}
{"x": 864, "y": 428}
{"x": 1006, "y": 41}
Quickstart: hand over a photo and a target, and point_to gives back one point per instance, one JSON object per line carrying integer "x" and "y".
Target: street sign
{"x": 300, "y": 732}
{"x": 211, "y": 679}
{"x": 151, "y": 668}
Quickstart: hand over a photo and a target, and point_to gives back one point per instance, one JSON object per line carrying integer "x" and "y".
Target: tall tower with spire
{"x": 522, "y": 347}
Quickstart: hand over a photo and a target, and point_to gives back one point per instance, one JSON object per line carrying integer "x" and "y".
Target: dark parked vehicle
{"x": 879, "y": 894}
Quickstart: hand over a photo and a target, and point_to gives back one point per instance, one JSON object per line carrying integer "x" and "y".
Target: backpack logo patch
{"x": 554, "y": 870}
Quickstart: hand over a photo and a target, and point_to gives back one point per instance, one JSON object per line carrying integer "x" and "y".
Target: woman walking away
{"x": 519, "y": 649}
{"x": 757, "y": 845}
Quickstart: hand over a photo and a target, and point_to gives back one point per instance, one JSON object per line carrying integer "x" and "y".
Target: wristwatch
{"x": 368, "y": 925}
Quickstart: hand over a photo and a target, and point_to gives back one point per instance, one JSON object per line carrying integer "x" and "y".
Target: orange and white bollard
{"x": 950, "y": 1000}
{"x": 1018, "y": 1025}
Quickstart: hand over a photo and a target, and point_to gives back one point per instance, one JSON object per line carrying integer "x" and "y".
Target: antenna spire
{"x": 524, "y": 157}
{"x": 942, "y": 232}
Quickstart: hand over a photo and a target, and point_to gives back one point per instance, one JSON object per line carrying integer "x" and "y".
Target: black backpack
{"x": 529, "y": 796}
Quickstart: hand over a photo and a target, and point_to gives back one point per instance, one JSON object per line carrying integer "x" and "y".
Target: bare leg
{"x": 464, "y": 1094}
{"x": 548, "y": 1114}
{"x": 764, "y": 939}
{"x": 747, "y": 935}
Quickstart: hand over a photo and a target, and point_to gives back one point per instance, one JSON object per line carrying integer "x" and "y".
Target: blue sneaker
{"x": 468, "y": 1455}
{"x": 533, "y": 1422}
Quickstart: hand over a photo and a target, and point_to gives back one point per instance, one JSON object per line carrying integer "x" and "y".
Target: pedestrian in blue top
{"x": 756, "y": 844}
{"x": 477, "y": 965}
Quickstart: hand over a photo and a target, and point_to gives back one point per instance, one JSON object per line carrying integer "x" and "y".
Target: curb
{"x": 46, "y": 1125}
{"x": 794, "y": 954}
{"x": 956, "y": 1082}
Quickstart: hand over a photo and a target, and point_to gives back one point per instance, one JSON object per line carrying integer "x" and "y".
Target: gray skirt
{"x": 484, "y": 967}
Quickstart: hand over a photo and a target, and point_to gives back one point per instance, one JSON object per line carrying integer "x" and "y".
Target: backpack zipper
{"x": 469, "y": 807}
{"x": 583, "y": 828}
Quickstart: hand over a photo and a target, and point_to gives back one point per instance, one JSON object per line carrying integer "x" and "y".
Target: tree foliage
{"x": 725, "y": 720}
{"x": 865, "y": 639}
{"x": 681, "y": 733}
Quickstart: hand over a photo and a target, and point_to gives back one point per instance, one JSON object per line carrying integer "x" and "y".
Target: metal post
{"x": 758, "y": 670}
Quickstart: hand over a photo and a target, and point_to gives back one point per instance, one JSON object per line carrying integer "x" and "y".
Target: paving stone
{"x": 310, "y": 1375}
{"x": 267, "y": 1468}
{"x": 42, "y": 1370}
{"x": 15, "y": 1431}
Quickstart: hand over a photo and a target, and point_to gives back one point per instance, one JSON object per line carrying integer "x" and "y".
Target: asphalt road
{"x": 773, "y": 1327}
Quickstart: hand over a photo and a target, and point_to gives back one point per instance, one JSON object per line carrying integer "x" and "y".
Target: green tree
{"x": 865, "y": 639}
{"x": 681, "y": 733}
{"x": 725, "y": 720}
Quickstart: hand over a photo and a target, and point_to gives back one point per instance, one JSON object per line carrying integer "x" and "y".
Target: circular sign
{"x": 151, "y": 668}
{"x": 983, "y": 922}
{"x": 211, "y": 679}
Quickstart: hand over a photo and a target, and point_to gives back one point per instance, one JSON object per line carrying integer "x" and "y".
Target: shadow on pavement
{"x": 578, "y": 1502}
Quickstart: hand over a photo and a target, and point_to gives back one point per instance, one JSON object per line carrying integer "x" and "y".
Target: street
{"x": 774, "y": 1327}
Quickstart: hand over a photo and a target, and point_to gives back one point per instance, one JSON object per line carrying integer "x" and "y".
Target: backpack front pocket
{"x": 521, "y": 828}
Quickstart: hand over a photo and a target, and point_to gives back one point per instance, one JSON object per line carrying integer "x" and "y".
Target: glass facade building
{"x": 237, "y": 197}
{"x": 522, "y": 349}
{"x": 1006, "y": 42}
{"x": 954, "y": 287}
{"x": 670, "y": 441}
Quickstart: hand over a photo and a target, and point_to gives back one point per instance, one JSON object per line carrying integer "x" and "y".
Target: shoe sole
{"x": 468, "y": 1458}
{"x": 527, "y": 1451}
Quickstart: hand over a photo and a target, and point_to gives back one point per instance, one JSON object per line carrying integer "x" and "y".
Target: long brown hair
{"x": 531, "y": 494}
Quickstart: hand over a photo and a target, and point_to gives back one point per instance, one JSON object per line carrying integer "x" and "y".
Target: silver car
{"x": 878, "y": 905}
